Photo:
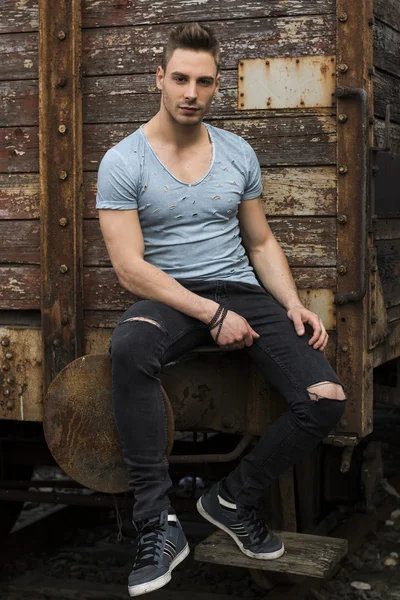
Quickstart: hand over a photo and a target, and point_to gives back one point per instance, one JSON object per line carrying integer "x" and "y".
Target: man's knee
{"x": 135, "y": 339}
{"x": 328, "y": 402}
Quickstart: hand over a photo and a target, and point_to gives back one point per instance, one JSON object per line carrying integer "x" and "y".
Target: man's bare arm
{"x": 123, "y": 236}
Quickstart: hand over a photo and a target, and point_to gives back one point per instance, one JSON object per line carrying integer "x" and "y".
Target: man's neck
{"x": 164, "y": 131}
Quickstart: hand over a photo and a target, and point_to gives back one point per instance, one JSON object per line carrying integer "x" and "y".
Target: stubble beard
{"x": 173, "y": 111}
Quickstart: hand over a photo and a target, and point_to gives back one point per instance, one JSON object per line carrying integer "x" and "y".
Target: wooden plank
{"x": 19, "y": 198}
{"x": 18, "y": 17}
{"x": 277, "y": 141}
{"x": 387, "y": 48}
{"x": 19, "y": 56}
{"x": 388, "y": 260}
{"x": 20, "y": 242}
{"x": 102, "y": 12}
{"x": 387, "y": 229}
{"x": 137, "y": 49}
{"x": 379, "y": 133}
{"x": 19, "y": 150}
{"x": 387, "y": 91}
{"x": 20, "y": 103}
{"x": 308, "y": 555}
{"x": 307, "y": 242}
{"x": 20, "y": 288}
{"x": 388, "y": 11}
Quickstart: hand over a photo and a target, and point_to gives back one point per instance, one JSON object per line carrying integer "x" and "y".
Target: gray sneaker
{"x": 241, "y": 523}
{"x": 161, "y": 547}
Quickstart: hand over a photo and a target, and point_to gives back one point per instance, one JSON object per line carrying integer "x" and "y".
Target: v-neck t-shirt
{"x": 190, "y": 231}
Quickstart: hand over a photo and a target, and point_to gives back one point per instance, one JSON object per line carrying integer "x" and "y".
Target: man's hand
{"x": 299, "y": 315}
{"x": 235, "y": 333}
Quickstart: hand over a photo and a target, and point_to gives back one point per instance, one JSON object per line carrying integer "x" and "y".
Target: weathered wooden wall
{"x": 387, "y": 91}
{"x": 122, "y": 42}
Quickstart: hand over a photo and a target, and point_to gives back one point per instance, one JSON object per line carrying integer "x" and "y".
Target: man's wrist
{"x": 207, "y": 309}
{"x": 293, "y": 303}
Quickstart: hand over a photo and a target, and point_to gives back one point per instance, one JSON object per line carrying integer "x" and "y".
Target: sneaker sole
{"x": 264, "y": 556}
{"x": 150, "y": 586}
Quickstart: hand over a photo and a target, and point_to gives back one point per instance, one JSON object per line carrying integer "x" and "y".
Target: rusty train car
{"x": 314, "y": 87}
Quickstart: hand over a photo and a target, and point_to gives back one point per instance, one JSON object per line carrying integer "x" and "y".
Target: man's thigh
{"x": 285, "y": 358}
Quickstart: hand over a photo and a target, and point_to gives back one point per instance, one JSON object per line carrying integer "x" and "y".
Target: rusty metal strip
{"x": 61, "y": 203}
{"x": 355, "y": 70}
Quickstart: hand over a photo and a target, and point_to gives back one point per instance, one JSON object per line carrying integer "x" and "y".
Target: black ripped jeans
{"x": 139, "y": 350}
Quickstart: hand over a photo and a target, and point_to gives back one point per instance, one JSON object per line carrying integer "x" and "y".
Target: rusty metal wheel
{"x": 79, "y": 425}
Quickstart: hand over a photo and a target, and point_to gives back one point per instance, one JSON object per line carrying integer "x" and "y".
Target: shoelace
{"x": 149, "y": 545}
{"x": 254, "y": 526}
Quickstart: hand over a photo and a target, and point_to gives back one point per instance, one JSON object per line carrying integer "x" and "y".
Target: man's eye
{"x": 179, "y": 79}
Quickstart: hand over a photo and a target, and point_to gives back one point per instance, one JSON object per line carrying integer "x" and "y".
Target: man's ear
{"x": 159, "y": 77}
{"x": 217, "y": 82}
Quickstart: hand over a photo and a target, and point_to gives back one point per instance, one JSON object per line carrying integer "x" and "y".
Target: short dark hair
{"x": 191, "y": 36}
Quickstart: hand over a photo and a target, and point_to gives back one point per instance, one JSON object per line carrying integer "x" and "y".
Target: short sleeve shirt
{"x": 190, "y": 231}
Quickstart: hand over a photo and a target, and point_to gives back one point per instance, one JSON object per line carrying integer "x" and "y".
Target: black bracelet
{"x": 220, "y": 322}
{"x": 215, "y": 318}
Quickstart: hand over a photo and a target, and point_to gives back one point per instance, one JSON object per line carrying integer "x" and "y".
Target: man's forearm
{"x": 272, "y": 268}
{"x": 146, "y": 281}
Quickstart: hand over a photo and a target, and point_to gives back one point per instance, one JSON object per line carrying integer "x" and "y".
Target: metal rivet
{"x": 332, "y": 60}
{"x": 342, "y": 219}
{"x": 6, "y": 391}
{"x": 241, "y": 63}
{"x": 11, "y": 379}
{"x": 343, "y": 170}
{"x": 62, "y": 82}
{"x": 242, "y": 104}
{"x": 10, "y": 404}
{"x": 5, "y": 341}
{"x": 63, "y": 268}
{"x": 242, "y": 94}
{"x": 63, "y": 175}
{"x": 342, "y": 118}
{"x": 61, "y": 35}
{"x": 56, "y": 342}
{"x": 344, "y": 348}
{"x": 342, "y": 269}
{"x": 343, "y": 68}
{"x": 267, "y": 62}
{"x": 297, "y": 60}
{"x": 374, "y": 319}
{"x": 62, "y": 128}
{"x": 63, "y": 221}
{"x": 64, "y": 321}
{"x": 241, "y": 78}
{"x": 9, "y": 354}
{"x": 302, "y": 102}
{"x": 6, "y": 367}
{"x": 343, "y": 17}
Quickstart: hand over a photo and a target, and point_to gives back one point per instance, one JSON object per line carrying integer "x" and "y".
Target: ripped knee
{"x": 145, "y": 320}
{"x": 326, "y": 389}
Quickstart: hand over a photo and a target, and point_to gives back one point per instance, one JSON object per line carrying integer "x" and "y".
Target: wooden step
{"x": 308, "y": 555}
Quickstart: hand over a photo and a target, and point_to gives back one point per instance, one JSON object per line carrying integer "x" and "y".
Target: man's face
{"x": 188, "y": 85}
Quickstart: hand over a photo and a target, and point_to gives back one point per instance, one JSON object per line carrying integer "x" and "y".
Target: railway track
{"x": 40, "y": 560}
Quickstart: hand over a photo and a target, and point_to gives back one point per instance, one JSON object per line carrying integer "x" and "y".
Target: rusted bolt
{"x": 371, "y": 21}
{"x": 56, "y": 342}
{"x": 61, "y": 35}
{"x": 9, "y": 354}
{"x": 342, "y": 219}
{"x": 242, "y": 94}
{"x": 343, "y": 423}
{"x": 332, "y": 59}
{"x": 342, "y": 118}
{"x": 343, "y": 170}
{"x": 342, "y": 269}
{"x": 64, "y": 321}
{"x": 5, "y": 341}
{"x": 11, "y": 379}
{"x": 297, "y": 60}
{"x": 267, "y": 62}
{"x": 63, "y": 175}
{"x": 6, "y": 367}
{"x": 241, "y": 63}
{"x": 268, "y": 103}
{"x": 62, "y": 128}
{"x": 6, "y": 391}
{"x": 374, "y": 319}
{"x": 241, "y": 104}
{"x": 63, "y": 221}
{"x": 343, "y": 17}
{"x": 10, "y": 405}
{"x": 302, "y": 102}
{"x": 62, "y": 82}
{"x": 343, "y": 68}
{"x": 63, "y": 268}
{"x": 241, "y": 78}
{"x": 344, "y": 348}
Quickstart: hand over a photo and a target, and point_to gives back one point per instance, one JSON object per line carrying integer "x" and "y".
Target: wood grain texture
{"x": 388, "y": 260}
{"x": 387, "y": 91}
{"x": 379, "y": 133}
{"x": 309, "y": 555}
{"x": 387, "y": 48}
{"x": 388, "y": 11}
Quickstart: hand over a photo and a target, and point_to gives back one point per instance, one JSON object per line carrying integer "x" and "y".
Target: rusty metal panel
{"x": 60, "y": 125}
{"x": 294, "y": 82}
{"x": 378, "y": 330}
{"x": 355, "y": 61}
{"x": 21, "y": 374}
{"x": 322, "y": 303}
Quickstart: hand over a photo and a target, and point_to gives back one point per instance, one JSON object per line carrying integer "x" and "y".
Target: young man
{"x": 179, "y": 201}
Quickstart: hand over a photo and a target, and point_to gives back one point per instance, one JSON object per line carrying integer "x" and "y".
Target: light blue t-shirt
{"x": 190, "y": 231}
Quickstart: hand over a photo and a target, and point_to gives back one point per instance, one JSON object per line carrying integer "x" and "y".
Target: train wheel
{"x": 9, "y": 510}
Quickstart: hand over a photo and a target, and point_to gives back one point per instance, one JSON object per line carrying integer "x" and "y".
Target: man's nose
{"x": 191, "y": 91}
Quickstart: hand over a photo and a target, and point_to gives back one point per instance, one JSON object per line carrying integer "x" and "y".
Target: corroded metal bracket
{"x": 60, "y": 127}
